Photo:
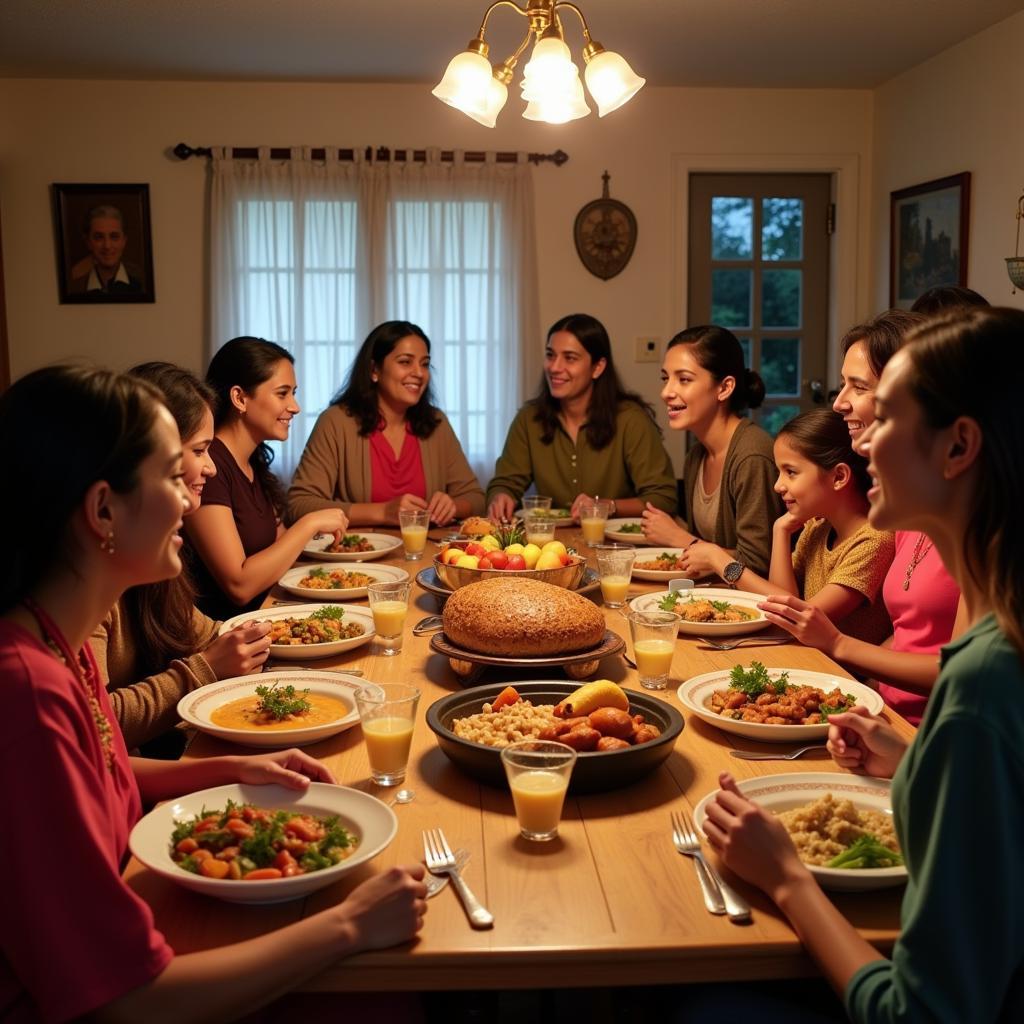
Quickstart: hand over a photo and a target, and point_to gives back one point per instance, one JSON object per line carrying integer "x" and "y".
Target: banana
{"x": 602, "y": 693}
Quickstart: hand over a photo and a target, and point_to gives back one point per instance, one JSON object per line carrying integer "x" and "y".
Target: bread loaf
{"x": 517, "y": 617}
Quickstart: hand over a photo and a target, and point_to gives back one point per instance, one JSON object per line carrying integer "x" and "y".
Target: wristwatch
{"x": 732, "y": 573}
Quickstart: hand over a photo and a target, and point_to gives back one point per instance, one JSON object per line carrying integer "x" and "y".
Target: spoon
{"x": 403, "y": 796}
{"x": 791, "y": 755}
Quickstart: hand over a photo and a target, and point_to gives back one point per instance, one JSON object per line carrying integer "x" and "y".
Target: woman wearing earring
{"x": 382, "y": 445}
{"x": 242, "y": 548}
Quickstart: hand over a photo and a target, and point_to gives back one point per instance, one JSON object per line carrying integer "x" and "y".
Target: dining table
{"x": 608, "y": 902}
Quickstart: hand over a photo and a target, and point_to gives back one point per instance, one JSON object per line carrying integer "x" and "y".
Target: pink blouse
{"x": 391, "y": 477}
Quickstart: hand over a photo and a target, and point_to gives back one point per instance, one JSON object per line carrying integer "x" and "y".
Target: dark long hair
{"x": 358, "y": 395}
{"x": 247, "y": 362}
{"x": 607, "y": 394}
{"x": 719, "y": 352}
{"x": 945, "y": 298}
{"x": 954, "y": 371}
{"x": 101, "y": 425}
{"x": 883, "y": 336}
{"x": 822, "y": 437}
{"x": 162, "y": 615}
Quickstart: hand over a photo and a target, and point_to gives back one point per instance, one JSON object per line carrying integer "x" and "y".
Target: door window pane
{"x": 730, "y": 297}
{"x": 780, "y": 366}
{"x": 732, "y": 228}
{"x": 780, "y": 298}
{"x": 782, "y": 229}
{"x": 775, "y": 417}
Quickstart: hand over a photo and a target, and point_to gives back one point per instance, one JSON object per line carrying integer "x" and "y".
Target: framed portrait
{"x": 928, "y": 225}
{"x": 104, "y": 243}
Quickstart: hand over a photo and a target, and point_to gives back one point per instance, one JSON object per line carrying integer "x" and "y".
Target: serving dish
{"x": 695, "y": 695}
{"x": 657, "y": 575}
{"x": 566, "y": 576}
{"x": 383, "y": 544}
{"x": 307, "y": 652}
{"x": 197, "y": 706}
{"x": 374, "y": 823}
{"x": 741, "y": 598}
{"x": 378, "y": 573}
{"x": 427, "y": 578}
{"x": 784, "y": 792}
{"x": 613, "y": 530}
{"x": 594, "y": 771}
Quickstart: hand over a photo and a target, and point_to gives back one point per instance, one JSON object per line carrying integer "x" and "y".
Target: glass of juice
{"x": 389, "y": 603}
{"x": 540, "y": 529}
{"x": 593, "y": 517}
{"x": 615, "y": 567}
{"x": 387, "y": 712}
{"x": 414, "y": 523}
{"x": 654, "y": 642}
{"x": 536, "y": 503}
{"x": 538, "y": 774}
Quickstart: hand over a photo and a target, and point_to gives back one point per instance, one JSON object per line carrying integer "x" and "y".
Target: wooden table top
{"x": 607, "y": 902}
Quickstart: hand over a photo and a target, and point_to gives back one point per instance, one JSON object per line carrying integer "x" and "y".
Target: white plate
{"x": 561, "y": 516}
{"x": 741, "y": 598}
{"x": 784, "y": 792}
{"x": 374, "y": 823}
{"x": 383, "y": 544}
{"x": 613, "y": 531}
{"x": 378, "y": 573}
{"x": 657, "y": 575}
{"x": 695, "y": 694}
{"x": 197, "y": 707}
{"x": 307, "y": 652}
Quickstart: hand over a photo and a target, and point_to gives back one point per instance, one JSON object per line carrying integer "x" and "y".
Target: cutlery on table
{"x": 435, "y": 883}
{"x": 440, "y": 860}
{"x": 725, "y": 898}
{"x": 628, "y": 660}
{"x": 429, "y": 624}
{"x": 293, "y": 667}
{"x": 729, "y": 645}
{"x": 790, "y": 755}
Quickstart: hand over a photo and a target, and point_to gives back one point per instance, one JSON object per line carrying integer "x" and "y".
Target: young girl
{"x": 155, "y": 645}
{"x": 944, "y": 450}
{"x": 728, "y": 474}
{"x": 840, "y": 560}
{"x": 75, "y": 939}
{"x": 242, "y": 546}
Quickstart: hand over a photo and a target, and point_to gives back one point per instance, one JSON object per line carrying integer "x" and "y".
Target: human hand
{"x": 788, "y": 523}
{"x": 580, "y": 499}
{"x": 239, "y": 651}
{"x": 441, "y": 508}
{"x": 400, "y": 504}
{"x": 325, "y": 520}
{"x": 808, "y": 623}
{"x": 502, "y": 508}
{"x": 702, "y": 558}
{"x": 661, "y": 528}
{"x": 862, "y": 743}
{"x": 386, "y": 909}
{"x": 292, "y": 769}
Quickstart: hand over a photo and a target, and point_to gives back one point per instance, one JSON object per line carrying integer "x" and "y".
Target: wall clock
{"x": 605, "y": 234}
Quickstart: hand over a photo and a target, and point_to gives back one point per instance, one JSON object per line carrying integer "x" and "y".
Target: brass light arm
{"x": 503, "y": 71}
{"x": 591, "y": 49}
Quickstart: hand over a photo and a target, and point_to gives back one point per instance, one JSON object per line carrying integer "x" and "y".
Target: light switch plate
{"x": 648, "y": 350}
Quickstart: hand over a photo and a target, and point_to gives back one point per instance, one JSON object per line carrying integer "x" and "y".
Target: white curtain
{"x": 313, "y": 254}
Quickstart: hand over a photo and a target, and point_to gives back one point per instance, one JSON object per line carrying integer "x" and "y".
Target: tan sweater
{"x": 334, "y": 471}
{"x": 147, "y": 708}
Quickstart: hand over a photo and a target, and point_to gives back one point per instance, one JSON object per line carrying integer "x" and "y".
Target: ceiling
{"x": 741, "y": 43}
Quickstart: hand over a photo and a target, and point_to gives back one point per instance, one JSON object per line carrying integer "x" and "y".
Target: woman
{"x": 382, "y": 445}
{"x": 75, "y": 939}
{"x": 920, "y": 596}
{"x": 237, "y": 534}
{"x": 944, "y": 450}
{"x": 584, "y": 435}
{"x": 729, "y": 475}
{"x": 154, "y": 646}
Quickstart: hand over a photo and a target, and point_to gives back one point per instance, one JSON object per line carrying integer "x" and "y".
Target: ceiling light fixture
{"x": 551, "y": 81}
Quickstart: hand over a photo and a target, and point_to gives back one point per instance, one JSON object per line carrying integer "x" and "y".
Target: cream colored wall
{"x": 957, "y": 112}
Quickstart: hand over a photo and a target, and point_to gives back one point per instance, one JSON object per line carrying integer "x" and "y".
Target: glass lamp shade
{"x": 557, "y": 108}
{"x": 550, "y": 68}
{"x": 611, "y": 81}
{"x": 497, "y": 94}
{"x": 465, "y": 84}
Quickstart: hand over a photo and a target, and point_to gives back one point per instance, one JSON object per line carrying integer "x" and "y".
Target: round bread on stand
{"x": 517, "y": 617}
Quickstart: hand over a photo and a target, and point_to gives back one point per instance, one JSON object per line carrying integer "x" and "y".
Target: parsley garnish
{"x": 330, "y": 611}
{"x": 281, "y": 701}
{"x": 755, "y": 680}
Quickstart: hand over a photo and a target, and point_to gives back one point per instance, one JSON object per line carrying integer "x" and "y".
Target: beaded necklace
{"x": 920, "y": 550}
{"x": 83, "y": 667}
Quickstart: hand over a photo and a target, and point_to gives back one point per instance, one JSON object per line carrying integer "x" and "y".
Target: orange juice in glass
{"x": 654, "y": 633}
{"x": 414, "y": 523}
{"x": 387, "y": 712}
{"x": 538, "y": 775}
{"x": 593, "y": 518}
{"x": 615, "y": 567}
{"x": 389, "y": 603}
{"x": 540, "y": 529}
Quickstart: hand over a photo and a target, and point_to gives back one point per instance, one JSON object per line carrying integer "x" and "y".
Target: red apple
{"x": 486, "y": 563}
{"x": 472, "y": 548}
{"x": 516, "y": 562}
{"x": 498, "y": 559}
{"x": 566, "y": 559}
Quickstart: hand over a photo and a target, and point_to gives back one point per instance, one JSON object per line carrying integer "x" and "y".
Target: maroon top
{"x": 391, "y": 477}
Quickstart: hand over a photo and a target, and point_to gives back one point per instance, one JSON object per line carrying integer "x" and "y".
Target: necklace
{"x": 83, "y": 668}
{"x": 921, "y": 548}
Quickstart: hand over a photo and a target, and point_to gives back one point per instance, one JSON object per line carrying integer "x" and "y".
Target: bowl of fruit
{"x": 504, "y": 552}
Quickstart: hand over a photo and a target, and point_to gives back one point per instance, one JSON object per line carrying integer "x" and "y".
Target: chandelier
{"x": 551, "y": 81}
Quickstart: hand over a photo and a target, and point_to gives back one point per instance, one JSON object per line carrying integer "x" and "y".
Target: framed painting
{"x": 928, "y": 225}
{"x": 104, "y": 243}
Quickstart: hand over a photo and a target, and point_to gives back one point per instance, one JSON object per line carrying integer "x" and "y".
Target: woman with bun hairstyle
{"x": 154, "y": 645}
{"x": 241, "y": 545}
{"x": 383, "y": 445}
{"x": 76, "y": 941}
{"x": 729, "y": 475}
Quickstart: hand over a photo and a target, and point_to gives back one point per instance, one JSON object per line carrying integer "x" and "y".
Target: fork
{"x": 437, "y": 855}
{"x": 435, "y": 883}
{"x": 729, "y": 645}
{"x": 684, "y": 835}
{"x": 792, "y": 755}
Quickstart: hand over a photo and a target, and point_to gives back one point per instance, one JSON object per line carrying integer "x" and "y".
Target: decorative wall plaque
{"x": 605, "y": 234}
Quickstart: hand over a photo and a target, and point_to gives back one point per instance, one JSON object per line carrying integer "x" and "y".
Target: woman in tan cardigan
{"x": 382, "y": 445}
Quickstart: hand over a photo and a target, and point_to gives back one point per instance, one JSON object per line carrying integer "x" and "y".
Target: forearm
{"x": 262, "y": 570}
{"x": 163, "y": 780}
{"x": 749, "y": 580}
{"x": 370, "y": 513}
{"x": 301, "y": 502}
{"x": 628, "y": 507}
{"x": 780, "y": 571}
{"x": 914, "y": 672}
{"x": 463, "y": 508}
{"x": 148, "y": 708}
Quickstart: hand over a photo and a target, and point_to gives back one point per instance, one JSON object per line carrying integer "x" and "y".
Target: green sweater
{"x": 958, "y": 803}
{"x": 633, "y": 465}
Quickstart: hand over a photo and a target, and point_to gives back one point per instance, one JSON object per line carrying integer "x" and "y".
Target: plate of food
{"x": 773, "y": 704}
{"x": 328, "y": 582}
{"x": 303, "y": 632}
{"x": 708, "y": 611}
{"x": 353, "y": 547}
{"x": 276, "y": 709}
{"x": 561, "y": 516}
{"x": 625, "y": 531}
{"x": 659, "y": 565}
{"x": 841, "y": 825}
{"x": 290, "y": 842}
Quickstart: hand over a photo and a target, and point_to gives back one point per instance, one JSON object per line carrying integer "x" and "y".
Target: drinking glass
{"x": 536, "y": 503}
{"x": 538, "y": 774}
{"x": 540, "y": 529}
{"x": 654, "y": 635}
{"x": 389, "y": 603}
{"x": 414, "y": 523}
{"x": 387, "y": 712}
{"x": 615, "y": 567}
{"x": 593, "y": 517}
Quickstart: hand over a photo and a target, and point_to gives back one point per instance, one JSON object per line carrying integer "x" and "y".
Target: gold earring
{"x": 107, "y": 544}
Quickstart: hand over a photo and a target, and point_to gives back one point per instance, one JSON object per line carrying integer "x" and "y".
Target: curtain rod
{"x": 183, "y": 151}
